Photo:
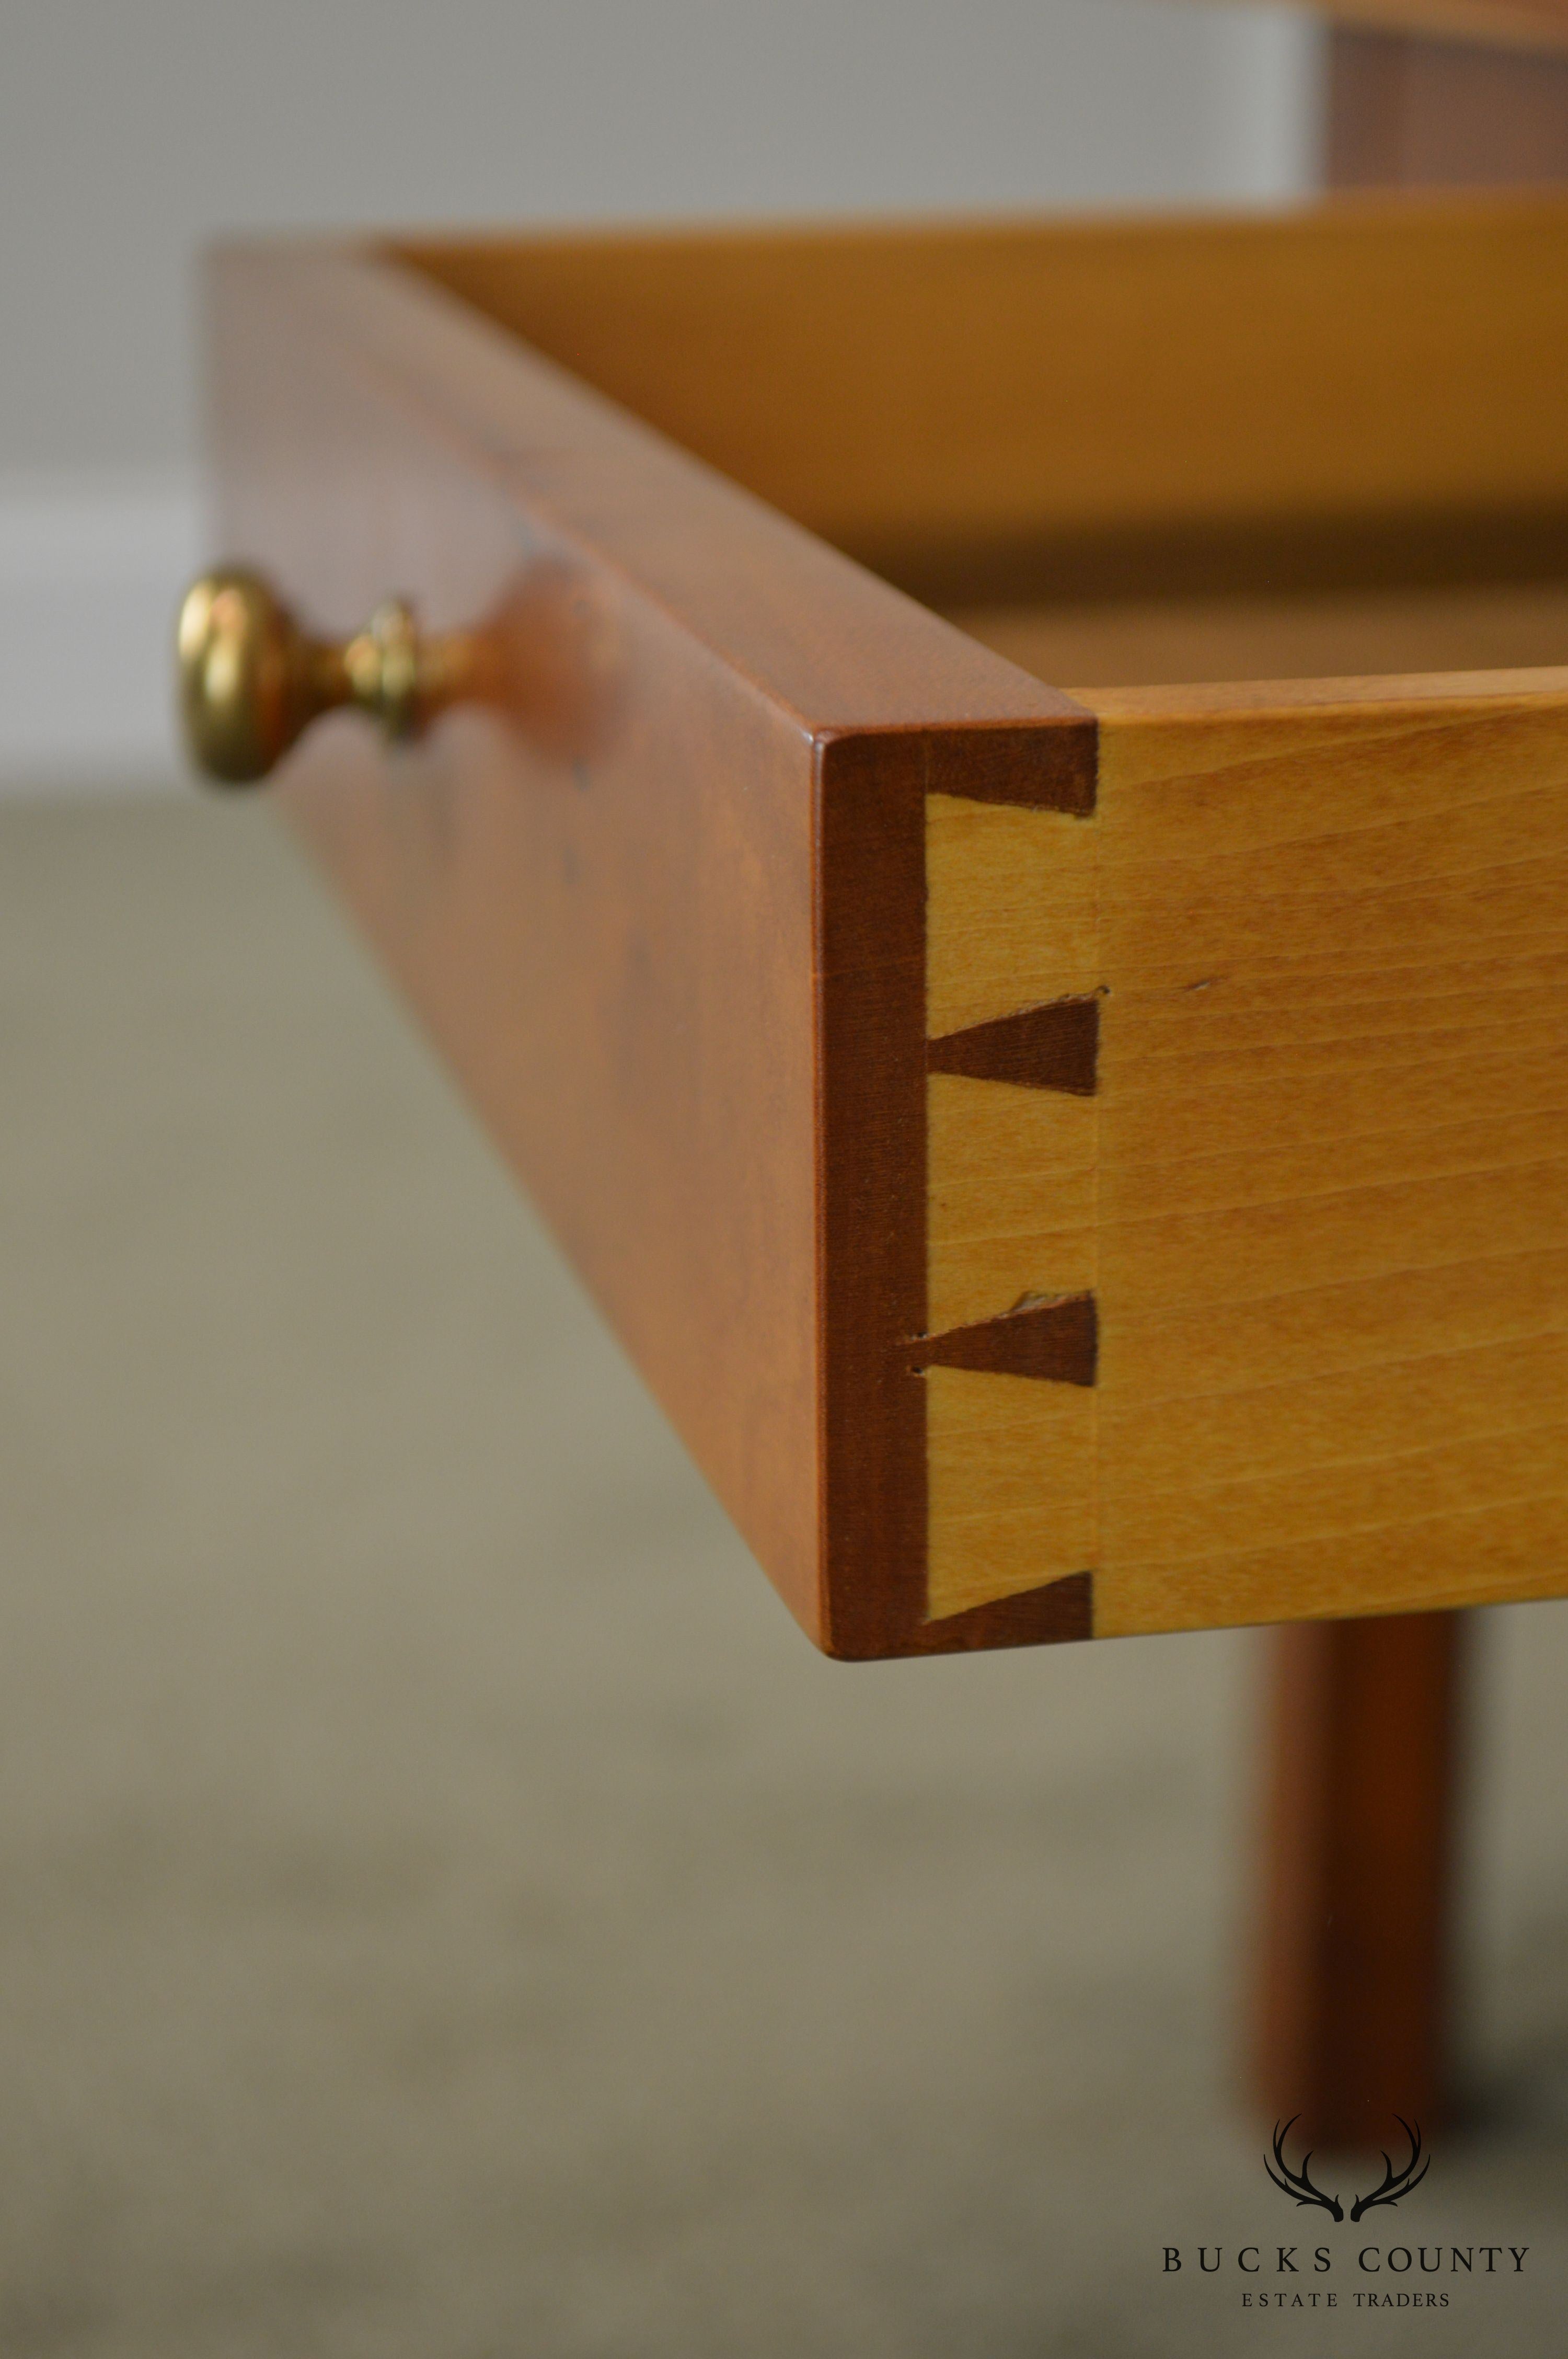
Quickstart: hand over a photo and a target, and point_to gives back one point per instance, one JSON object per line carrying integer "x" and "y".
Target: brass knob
{"x": 251, "y": 680}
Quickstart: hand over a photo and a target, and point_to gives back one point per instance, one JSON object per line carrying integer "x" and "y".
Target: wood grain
{"x": 1013, "y": 1473}
{"x": 1062, "y": 1162}
{"x": 1319, "y": 1194}
{"x": 882, "y": 1453}
{"x": 1013, "y": 1200}
{"x": 1012, "y": 912}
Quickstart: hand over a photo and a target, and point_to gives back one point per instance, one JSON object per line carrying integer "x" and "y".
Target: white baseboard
{"x": 92, "y": 569}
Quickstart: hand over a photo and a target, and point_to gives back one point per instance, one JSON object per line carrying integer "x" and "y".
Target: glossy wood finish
{"x": 653, "y": 913}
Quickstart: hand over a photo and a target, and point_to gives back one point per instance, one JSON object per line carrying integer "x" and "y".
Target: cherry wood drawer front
{"x": 666, "y": 920}
{"x": 1068, "y": 1161}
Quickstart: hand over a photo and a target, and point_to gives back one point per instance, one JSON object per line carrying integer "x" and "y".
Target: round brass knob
{"x": 251, "y": 680}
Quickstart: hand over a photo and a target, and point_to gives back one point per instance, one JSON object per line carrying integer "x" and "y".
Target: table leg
{"x": 1353, "y": 2001}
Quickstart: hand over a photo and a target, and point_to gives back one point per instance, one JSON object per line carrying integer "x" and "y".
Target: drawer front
{"x": 1067, "y": 1164}
{"x": 663, "y": 915}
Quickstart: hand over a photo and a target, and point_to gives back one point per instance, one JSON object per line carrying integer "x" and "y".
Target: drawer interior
{"x": 1304, "y": 445}
{"x": 1269, "y": 634}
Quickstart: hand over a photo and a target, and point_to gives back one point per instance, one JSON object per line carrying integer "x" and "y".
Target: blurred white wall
{"x": 133, "y": 130}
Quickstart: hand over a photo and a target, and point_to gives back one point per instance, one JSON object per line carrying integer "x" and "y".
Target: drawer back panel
{"x": 1370, "y": 390}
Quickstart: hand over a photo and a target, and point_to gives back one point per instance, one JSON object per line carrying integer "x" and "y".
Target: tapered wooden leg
{"x": 1355, "y": 1986}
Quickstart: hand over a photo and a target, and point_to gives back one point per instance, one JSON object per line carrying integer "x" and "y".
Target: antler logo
{"x": 1396, "y": 2183}
{"x": 1298, "y": 2183}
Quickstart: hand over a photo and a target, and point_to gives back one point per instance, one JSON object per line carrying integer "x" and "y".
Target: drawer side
{"x": 1320, "y": 1190}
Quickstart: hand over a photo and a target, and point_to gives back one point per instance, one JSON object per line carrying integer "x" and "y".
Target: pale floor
{"x": 448, "y": 1910}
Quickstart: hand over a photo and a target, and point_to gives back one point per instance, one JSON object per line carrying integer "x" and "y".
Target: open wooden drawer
{"x": 1070, "y": 1159}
